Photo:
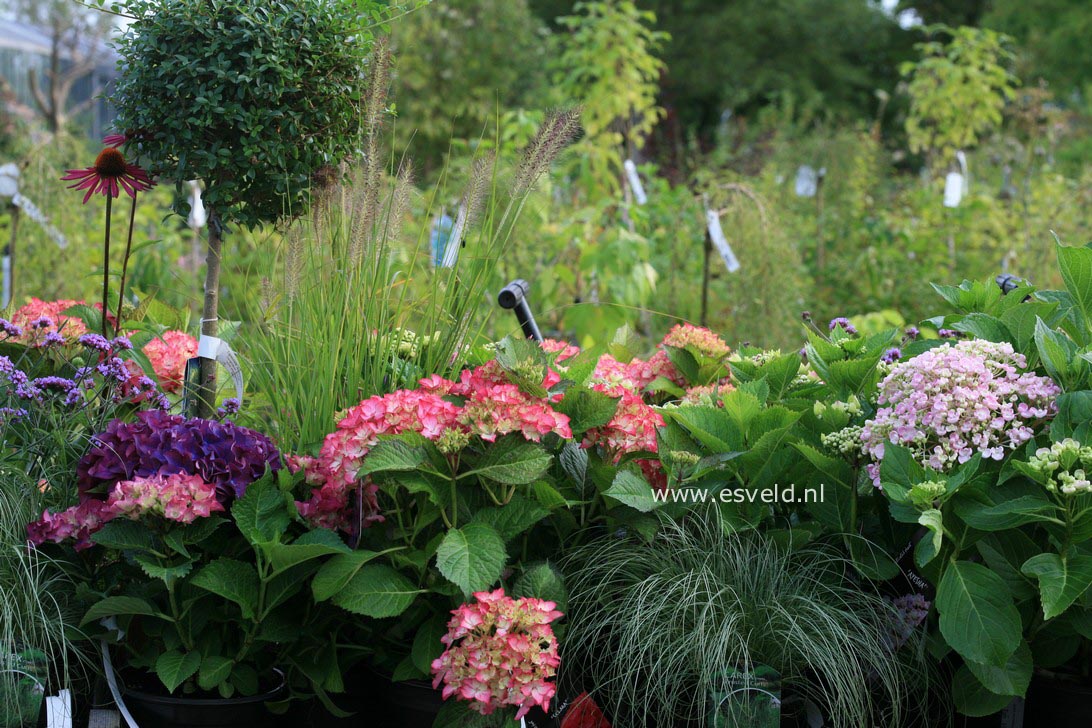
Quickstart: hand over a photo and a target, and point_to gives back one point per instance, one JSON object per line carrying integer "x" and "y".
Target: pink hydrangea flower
{"x": 712, "y": 394}
{"x": 632, "y": 429}
{"x": 700, "y": 339}
{"x": 168, "y": 354}
{"x": 563, "y": 349}
{"x": 500, "y": 652}
{"x": 178, "y": 497}
{"x": 30, "y": 318}
{"x": 957, "y": 400}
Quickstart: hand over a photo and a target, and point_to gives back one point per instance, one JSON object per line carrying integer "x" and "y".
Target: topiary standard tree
{"x": 260, "y": 101}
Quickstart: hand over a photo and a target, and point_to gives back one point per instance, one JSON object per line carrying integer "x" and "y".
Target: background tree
{"x": 1052, "y": 37}
{"x": 77, "y": 47}
{"x": 259, "y": 101}
{"x": 453, "y": 71}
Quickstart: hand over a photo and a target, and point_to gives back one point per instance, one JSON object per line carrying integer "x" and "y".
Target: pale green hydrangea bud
{"x": 922, "y": 495}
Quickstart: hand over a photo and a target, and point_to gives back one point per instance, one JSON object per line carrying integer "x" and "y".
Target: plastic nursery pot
{"x": 1058, "y": 701}
{"x": 411, "y": 704}
{"x": 164, "y": 711}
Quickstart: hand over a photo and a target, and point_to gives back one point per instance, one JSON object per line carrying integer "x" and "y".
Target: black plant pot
{"x": 164, "y": 711}
{"x": 1058, "y": 701}
{"x": 411, "y": 704}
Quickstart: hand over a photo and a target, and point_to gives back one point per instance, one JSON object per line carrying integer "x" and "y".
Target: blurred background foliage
{"x": 717, "y": 102}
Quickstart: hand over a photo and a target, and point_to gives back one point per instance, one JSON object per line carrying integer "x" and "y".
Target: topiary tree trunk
{"x": 210, "y": 320}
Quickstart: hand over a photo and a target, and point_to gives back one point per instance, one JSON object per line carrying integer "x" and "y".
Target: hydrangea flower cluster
{"x": 223, "y": 454}
{"x": 168, "y": 354}
{"x": 37, "y": 319}
{"x": 1057, "y": 464}
{"x": 910, "y": 611}
{"x": 177, "y": 497}
{"x": 711, "y": 395}
{"x": 491, "y": 406}
{"x": 632, "y": 429}
{"x": 500, "y": 652}
{"x": 701, "y": 340}
{"x": 955, "y": 400}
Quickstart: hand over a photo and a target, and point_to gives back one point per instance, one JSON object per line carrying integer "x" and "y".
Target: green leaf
{"x": 214, "y": 670}
{"x": 1076, "y": 266}
{"x": 711, "y": 426}
{"x": 899, "y": 467}
{"x": 512, "y": 461}
{"x": 1074, "y": 416}
{"x": 174, "y": 668}
{"x": 1062, "y": 580}
{"x": 233, "y": 580}
{"x": 982, "y": 326}
{"x": 335, "y": 574}
{"x": 632, "y": 490}
{"x": 392, "y": 454}
{"x": 977, "y": 616}
{"x": 377, "y": 591}
{"x": 169, "y": 574}
{"x": 1057, "y": 352}
{"x": 261, "y": 514}
{"x": 542, "y": 581}
{"x": 1011, "y": 679}
{"x": 513, "y": 518}
{"x": 427, "y": 645}
{"x": 587, "y": 408}
{"x": 311, "y": 545}
{"x": 472, "y": 557}
{"x": 928, "y": 548}
{"x": 1007, "y": 514}
{"x": 125, "y": 535}
{"x": 972, "y": 698}
{"x": 117, "y": 606}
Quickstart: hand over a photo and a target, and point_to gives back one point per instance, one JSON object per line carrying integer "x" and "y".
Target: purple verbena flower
{"x": 844, "y": 323}
{"x": 10, "y": 329}
{"x": 892, "y": 355}
{"x": 95, "y": 341}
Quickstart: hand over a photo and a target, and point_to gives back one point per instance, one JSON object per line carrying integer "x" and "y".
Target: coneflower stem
{"x": 125, "y": 265}
{"x": 106, "y": 267}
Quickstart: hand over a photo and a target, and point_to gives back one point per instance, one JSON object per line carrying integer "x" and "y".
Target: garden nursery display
{"x": 601, "y": 415}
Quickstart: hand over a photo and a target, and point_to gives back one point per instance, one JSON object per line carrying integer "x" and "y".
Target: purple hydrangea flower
{"x": 157, "y": 443}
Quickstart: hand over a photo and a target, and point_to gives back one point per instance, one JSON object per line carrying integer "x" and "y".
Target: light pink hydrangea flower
{"x": 700, "y": 339}
{"x": 168, "y": 354}
{"x": 957, "y": 400}
{"x": 500, "y": 652}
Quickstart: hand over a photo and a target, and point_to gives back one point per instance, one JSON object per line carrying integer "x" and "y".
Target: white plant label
{"x": 953, "y": 189}
{"x": 455, "y": 240}
{"x": 807, "y": 181}
{"x": 716, "y": 234}
{"x": 198, "y": 217}
{"x": 59, "y": 710}
{"x": 9, "y": 180}
{"x": 210, "y": 347}
{"x": 635, "y": 182}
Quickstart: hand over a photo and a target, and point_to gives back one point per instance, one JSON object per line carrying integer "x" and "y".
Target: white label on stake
{"x": 59, "y": 710}
{"x": 716, "y": 234}
{"x": 455, "y": 240}
{"x": 635, "y": 182}
{"x": 210, "y": 347}
{"x": 807, "y": 181}
{"x": 953, "y": 189}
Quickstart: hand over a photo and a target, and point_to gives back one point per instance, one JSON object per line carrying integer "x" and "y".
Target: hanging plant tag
{"x": 210, "y": 347}
{"x": 635, "y": 182}
{"x": 807, "y": 181}
{"x": 747, "y": 698}
{"x": 716, "y": 234}
{"x": 953, "y": 189}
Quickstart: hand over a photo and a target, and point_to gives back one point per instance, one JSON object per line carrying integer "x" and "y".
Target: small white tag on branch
{"x": 716, "y": 234}
{"x": 635, "y": 182}
{"x": 210, "y": 347}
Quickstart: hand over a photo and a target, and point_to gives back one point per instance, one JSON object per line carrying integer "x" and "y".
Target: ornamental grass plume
{"x": 957, "y": 400}
{"x": 110, "y": 175}
{"x": 500, "y": 652}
